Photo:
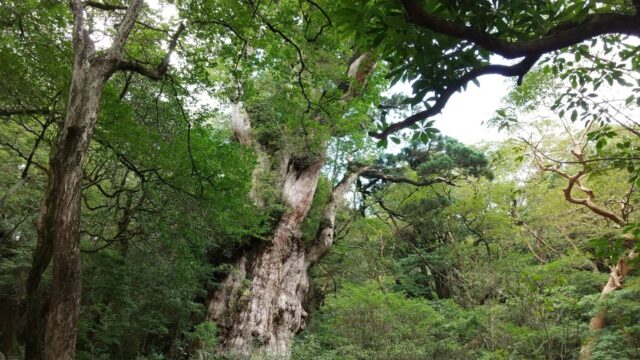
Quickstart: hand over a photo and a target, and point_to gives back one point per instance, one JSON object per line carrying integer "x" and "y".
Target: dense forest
{"x": 247, "y": 179}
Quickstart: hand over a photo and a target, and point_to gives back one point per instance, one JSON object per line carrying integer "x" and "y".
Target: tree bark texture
{"x": 598, "y": 321}
{"x": 62, "y": 219}
{"x": 259, "y": 306}
{"x": 59, "y": 220}
{"x": 35, "y": 310}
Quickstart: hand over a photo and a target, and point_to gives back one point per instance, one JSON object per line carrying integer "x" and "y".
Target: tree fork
{"x": 59, "y": 225}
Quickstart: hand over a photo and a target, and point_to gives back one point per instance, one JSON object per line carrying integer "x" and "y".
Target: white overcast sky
{"x": 463, "y": 116}
{"x": 465, "y": 112}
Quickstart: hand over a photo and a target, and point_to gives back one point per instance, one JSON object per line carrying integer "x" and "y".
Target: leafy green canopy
{"x": 287, "y": 63}
{"x": 442, "y": 46}
{"x": 165, "y": 189}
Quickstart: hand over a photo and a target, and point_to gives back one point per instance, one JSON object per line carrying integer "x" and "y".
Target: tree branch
{"x": 103, "y": 6}
{"x": 574, "y": 181}
{"x": 377, "y": 174}
{"x": 326, "y": 231}
{"x": 160, "y": 70}
{"x": 558, "y": 38}
{"x": 588, "y": 201}
{"x": 127, "y": 24}
{"x": 520, "y": 69}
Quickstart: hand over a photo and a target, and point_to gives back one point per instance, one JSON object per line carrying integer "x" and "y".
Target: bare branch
{"x": 574, "y": 181}
{"x": 588, "y": 201}
{"x": 377, "y": 174}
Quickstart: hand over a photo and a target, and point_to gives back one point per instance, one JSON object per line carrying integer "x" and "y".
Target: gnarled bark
{"x": 259, "y": 306}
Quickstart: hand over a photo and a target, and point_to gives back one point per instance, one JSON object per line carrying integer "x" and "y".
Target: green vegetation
{"x": 216, "y": 179}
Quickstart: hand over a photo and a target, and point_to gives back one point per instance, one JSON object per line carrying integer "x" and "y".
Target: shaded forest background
{"x": 230, "y": 131}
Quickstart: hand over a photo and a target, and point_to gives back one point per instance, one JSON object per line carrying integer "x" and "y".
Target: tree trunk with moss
{"x": 260, "y": 305}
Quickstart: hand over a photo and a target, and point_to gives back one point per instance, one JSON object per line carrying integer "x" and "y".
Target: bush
{"x": 364, "y": 322}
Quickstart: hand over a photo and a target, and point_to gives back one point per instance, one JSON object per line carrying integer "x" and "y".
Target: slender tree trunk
{"x": 59, "y": 223}
{"x": 62, "y": 220}
{"x": 598, "y": 321}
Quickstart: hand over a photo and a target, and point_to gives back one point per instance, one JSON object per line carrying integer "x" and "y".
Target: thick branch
{"x": 574, "y": 181}
{"x": 159, "y": 71}
{"x": 127, "y": 24}
{"x": 519, "y": 70}
{"x": 241, "y": 124}
{"x": 103, "y": 6}
{"x": 377, "y": 174}
{"x": 326, "y": 231}
{"x": 588, "y": 201}
{"x": 566, "y": 35}
{"x": 82, "y": 44}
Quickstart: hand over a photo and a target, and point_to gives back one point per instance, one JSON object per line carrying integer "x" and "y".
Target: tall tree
{"x": 582, "y": 156}
{"x": 59, "y": 219}
{"x": 293, "y": 86}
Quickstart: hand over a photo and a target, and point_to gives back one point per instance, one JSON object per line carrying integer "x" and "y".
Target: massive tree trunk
{"x": 260, "y": 304}
{"x": 259, "y": 307}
